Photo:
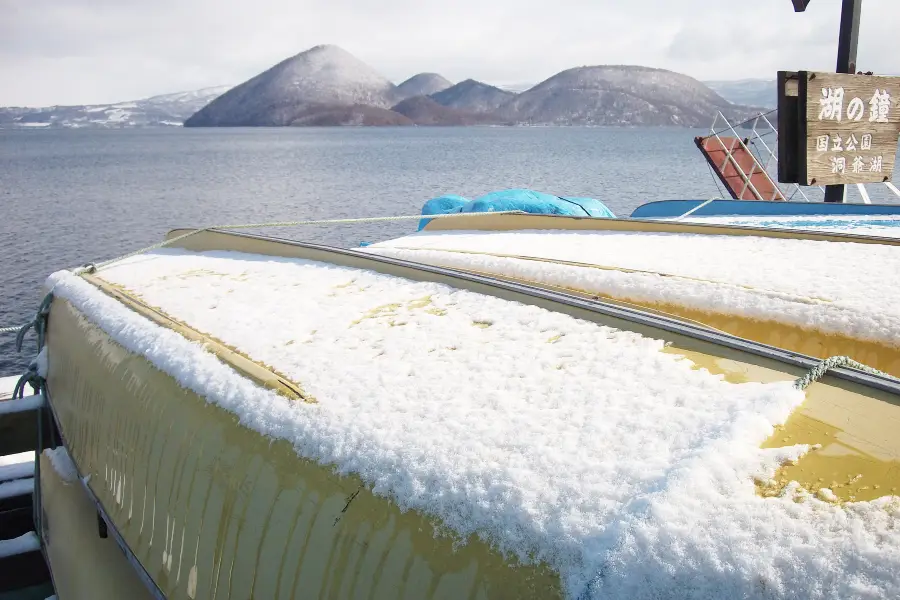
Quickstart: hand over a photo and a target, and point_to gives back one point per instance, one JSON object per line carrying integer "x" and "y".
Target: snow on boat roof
{"x": 624, "y": 468}
{"x": 834, "y": 287}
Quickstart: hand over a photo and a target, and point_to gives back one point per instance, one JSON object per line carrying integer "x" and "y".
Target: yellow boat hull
{"x": 213, "y": 509}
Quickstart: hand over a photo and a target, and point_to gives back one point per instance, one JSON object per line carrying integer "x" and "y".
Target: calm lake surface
{"x": 68, "y": 197}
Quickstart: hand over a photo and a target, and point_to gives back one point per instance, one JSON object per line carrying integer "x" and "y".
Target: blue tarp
{"x": 525, "y": 200}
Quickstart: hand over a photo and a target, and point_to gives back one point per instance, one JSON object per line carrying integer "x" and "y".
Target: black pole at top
{"x": 846, "y": 63}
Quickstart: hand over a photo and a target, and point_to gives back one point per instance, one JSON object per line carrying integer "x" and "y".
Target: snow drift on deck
{"x": 844, "y": 288}
{"x": 623, "y": 467}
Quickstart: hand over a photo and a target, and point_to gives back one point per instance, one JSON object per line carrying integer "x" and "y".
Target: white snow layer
{"x": 626, "y": 469}
{"x": 845, "y": 288}
{"x": 17, "y": 470}
{"x": 16, "y": 487}
{"x": 873, "y": 225}
{"x": 40, "y": 362}
{"x": 62, "y": 463}
{"x": 17, "y": 459}
{"x": 32, "y": 402}
{"x": 27, "y": 542}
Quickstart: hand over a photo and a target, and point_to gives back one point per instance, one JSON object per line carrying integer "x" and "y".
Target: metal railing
{"x": 765, "y": 155}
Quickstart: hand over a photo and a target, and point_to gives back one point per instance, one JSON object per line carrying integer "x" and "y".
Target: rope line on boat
{"x": 818, "y": 371}
{"x": 715, "y": 179}
{"x": 94, "y": 267}
{"x": 696, "y": 208}
{"x": 32, "y": 375}
{"x": 39, "y": 323}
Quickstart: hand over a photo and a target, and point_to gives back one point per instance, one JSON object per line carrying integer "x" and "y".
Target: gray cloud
{"x": 82, "y": 51}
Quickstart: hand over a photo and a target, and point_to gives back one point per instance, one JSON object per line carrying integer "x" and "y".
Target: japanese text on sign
{"x": 850, "y": 124}
{"x": 832, "y": 102}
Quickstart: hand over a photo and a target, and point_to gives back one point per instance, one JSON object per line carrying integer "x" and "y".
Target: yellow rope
{"x": 94, "y": 267}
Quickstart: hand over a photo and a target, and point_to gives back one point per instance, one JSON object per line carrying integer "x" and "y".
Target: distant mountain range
{"x": 309, "y": 86}
{"x": 157, "y": 111}
{"x": 754, "y": 92}
{"x": 327, "y": 85}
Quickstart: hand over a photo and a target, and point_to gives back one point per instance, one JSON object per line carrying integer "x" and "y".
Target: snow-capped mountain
{"x": 620, "y": 95}
{"x": 423, "y": 84}
{"x": 473, "y": 96}
{"x": 165, "y": 110}
{"x": 322, "y": 75}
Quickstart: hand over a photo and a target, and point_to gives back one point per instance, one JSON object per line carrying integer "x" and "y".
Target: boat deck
{"x": 589, "y": 448}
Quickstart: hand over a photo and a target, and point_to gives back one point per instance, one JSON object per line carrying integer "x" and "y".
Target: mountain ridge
{"x": 323, "y": 75}
{"x": 423, "y": 84}
{"x": 589, "y": 95}
{"x": 473, "y": 96}
{"x": 161, "y": 110}
{"x": 425, "y": 110}
{"x": 621, "y": 95}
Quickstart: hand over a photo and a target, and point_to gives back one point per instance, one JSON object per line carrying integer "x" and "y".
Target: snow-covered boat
{"x": 254, "y": 417}
{"x": 817, "y": 293}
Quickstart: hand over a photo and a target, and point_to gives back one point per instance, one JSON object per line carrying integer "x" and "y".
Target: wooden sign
{"x": 848, "y": 128}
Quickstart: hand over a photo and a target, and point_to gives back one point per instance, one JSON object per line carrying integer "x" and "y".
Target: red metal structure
{"x": 738, "y": 168}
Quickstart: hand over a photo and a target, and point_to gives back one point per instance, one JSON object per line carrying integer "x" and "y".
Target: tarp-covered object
{"x": 525, "y": 200}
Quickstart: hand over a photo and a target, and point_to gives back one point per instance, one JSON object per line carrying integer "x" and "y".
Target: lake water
{"x": 68, "y": 197}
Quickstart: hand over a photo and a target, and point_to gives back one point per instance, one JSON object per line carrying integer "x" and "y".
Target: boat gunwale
{"x": 481, "y": 222}
{"x": 848, "y": 209}
{"x": 640, "y": 317}
{"x": 259, "y": 373}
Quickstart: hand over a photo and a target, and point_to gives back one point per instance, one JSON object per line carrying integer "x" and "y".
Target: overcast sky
{"x": 93, "y": 51}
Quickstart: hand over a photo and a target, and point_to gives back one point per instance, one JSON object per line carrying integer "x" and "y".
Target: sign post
{"x": 846, "y": 63}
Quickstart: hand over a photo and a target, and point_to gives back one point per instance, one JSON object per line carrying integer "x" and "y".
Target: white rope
{"x": 892, "y": 187}
{"x": 11, "y": 329}
{"x": 696, "y": 208}
{"x": 93, "y": 267}
{"x": 818, "y": 371}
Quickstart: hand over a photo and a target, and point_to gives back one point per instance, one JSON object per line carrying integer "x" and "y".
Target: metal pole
{"x": 846, "y": 63}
